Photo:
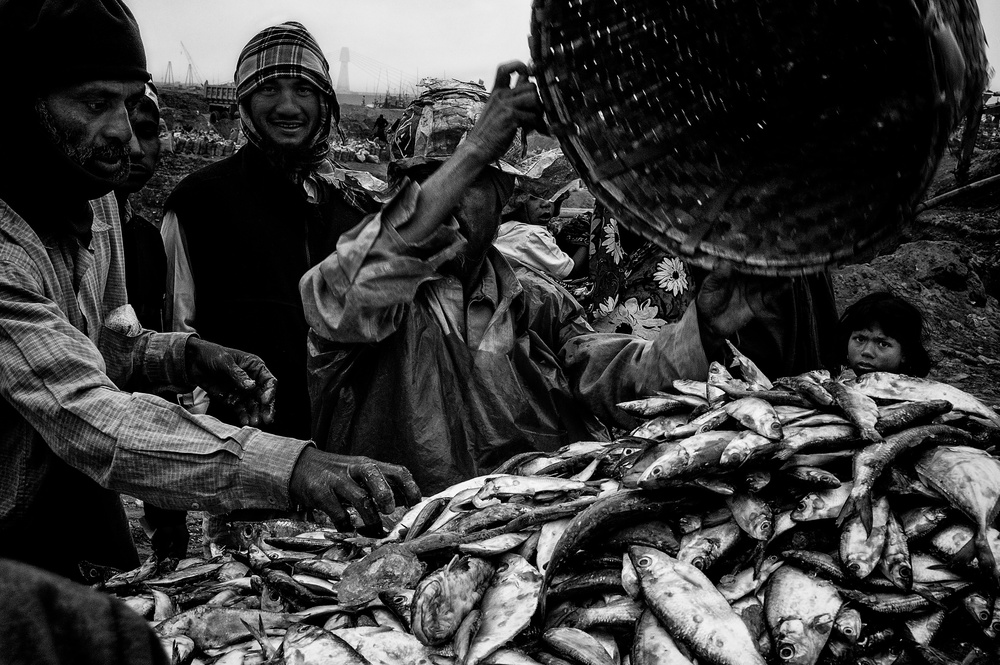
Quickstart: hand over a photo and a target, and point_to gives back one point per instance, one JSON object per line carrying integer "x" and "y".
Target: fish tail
{"x": 860, "y": 505}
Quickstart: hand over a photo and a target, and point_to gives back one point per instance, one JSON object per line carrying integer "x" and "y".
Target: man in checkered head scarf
{"x": 286, "y": 98}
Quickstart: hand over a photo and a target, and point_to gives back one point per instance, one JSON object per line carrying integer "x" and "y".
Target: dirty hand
{"x": 235, "y": 378}
{"x": 728, "y": 300}
{"x": 507, "y": 109}
{"x": 329, "y": 482}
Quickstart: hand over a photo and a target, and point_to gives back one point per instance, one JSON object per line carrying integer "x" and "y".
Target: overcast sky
{"x": 397, "y": 41}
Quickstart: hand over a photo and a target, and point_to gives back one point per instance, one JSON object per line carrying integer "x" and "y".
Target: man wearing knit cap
{"x": 431, "y": 351}
{"x": 72, "y": 435}
{"x": 276, "y": 206}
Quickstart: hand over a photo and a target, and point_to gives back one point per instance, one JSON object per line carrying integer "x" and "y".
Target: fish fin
{"x": 987, "y": 562}
{"x": 759, "y": 558}
{"x": 926, "y": 591}
{"x": 260, "y": 634}
{"x": 965, "y": 555}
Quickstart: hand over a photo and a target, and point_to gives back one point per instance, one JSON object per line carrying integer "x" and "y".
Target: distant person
{"x": 524, "y": 238}
{"x": 146, "y": 280}
{"x": 379, "y": 131}
{"x": 241, "y": 232}
{"x": 883, "y": 333}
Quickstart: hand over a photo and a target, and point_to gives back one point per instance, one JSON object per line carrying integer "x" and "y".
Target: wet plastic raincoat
{"x": 399, "y": 373}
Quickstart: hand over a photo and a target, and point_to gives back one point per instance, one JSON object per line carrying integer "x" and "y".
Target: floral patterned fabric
{"x": 635, "y": 287}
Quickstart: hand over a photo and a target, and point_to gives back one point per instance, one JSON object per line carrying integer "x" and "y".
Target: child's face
{"x": 871, "y": 350}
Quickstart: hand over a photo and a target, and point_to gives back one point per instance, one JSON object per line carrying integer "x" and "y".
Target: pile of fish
{"x": 814, "y": 519}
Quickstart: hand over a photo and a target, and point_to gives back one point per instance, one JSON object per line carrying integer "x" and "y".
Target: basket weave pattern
{"x": 782, "y": 135}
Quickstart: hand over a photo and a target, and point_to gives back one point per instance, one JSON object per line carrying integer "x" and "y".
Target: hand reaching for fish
{"x": 331, "y": 482}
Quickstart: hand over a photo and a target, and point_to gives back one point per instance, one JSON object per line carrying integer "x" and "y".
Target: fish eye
{"x": 786, "y": 651}
{"x": 765, "y": 525}
{"x": 847, "y": 630}
{"x": 984, "y": 616}
{"x": 502, "y": 567}
{"x": 854, "y": 566}
{"x": 643, "y": 562}
{"x": 655, "y": 471}
{"x": 905, "y": 572}
{"x": 803, "y": 506}
{"x": 699, "y": 563}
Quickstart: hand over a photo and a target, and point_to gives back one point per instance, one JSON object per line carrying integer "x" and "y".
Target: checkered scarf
{"x": 286, "y": 51}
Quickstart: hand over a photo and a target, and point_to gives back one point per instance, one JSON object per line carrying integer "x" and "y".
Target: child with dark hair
{"x": 884, "y": 333}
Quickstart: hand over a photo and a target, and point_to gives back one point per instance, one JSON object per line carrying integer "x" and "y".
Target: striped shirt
{"x": 61, "y": 371}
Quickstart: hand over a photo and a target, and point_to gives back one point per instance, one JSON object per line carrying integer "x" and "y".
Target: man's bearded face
{"x": 93, "y": 155}
{"x": 89, "y": 122}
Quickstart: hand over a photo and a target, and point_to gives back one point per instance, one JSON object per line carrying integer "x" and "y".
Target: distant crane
{"x": 193, "y": 75}
{"x": 168, "y": 78}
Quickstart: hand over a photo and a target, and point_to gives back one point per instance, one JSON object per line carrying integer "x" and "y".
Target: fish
{"x": 443, "y": 598}
{"x": 753, "y": 515}
{"x": 858, "y": 407}
{"x": 749, "y": 370}
{"x": 164, "y": 606}
{"x": 757, "y": 415}
{"x": 871, "y": 460}
{"x": 388, "y": 567}
{"x": 661, "y": 427}
{"x": 697, "y": 389}
{"x": 822, "y": 504}
{"x": 749, "y": 580}
{"x": 797, "y": 439}
{"x": 653, "y": 644}
{"x": 686, "y": 456}
{"x": 747, "y": 445}
{"x": 800, "y": 612}
{"x": 895, "y": 417}
{"x": 621, "y": 613}
{"x": 507, "y": 606}
{"x": 658, "y": 405}
{"x": 980, "y": 608}
{"x": 577, "y": 645}
{"x": 507, "y": 487}
{"x": 923, "y": 627}
{"x": 848, "y": 623}
{"x": 322, "y": 568}
{"x": 895, "y": 560}
{"x": 179, "y": 648}
{"x": 652, "y": 533}
{"x": 189, "y": 575}
{"x": 550, "y": 534}
{"x": 860, "y": 547}
{"x": 899, "y": 387}
{"x": 141, "y": 605}
{"x": 921, "y": 520}
{"x": 970, "y": 479}
{"x": 692, "y": 609}
{"x": 213, "y": 627}
{"x": 504, "y": 542}
{"x": 814, "y": 475}
{"x": 807, "y": 387}
{"x": 706, "y": 422}
{"x": 704, "y": 547}
{"x": 379, "y": 645}
{"x": 311, "y": 644}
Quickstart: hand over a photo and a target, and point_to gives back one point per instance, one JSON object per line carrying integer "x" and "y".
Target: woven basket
{"x": 781, "y": 135}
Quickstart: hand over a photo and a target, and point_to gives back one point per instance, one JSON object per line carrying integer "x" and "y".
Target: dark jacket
{"x": 251, "y": 234}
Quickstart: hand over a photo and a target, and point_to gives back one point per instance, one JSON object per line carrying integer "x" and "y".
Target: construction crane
{"x": 193, "y": 75}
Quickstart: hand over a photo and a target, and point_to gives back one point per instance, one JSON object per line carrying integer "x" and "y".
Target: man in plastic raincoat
{"x": 430, "y": 351}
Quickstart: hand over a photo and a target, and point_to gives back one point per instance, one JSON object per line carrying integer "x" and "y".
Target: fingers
{"x": 505, "y": 70}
